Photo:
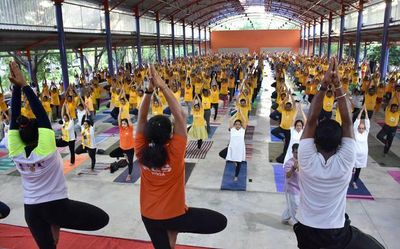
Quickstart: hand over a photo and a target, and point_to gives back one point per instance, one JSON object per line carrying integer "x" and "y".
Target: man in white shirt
{"x": 326, "y": 158}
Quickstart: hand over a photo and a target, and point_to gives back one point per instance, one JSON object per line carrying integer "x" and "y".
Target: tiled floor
{"x": 253, "y": 215}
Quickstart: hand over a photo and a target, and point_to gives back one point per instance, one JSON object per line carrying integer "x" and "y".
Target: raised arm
{"x": 144, "y": 109}
{"x": 176, "y": 109}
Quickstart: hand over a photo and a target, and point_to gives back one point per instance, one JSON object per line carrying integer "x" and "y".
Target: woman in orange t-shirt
{"x": 126, "y": 143}
{"x": 161, "y": 152}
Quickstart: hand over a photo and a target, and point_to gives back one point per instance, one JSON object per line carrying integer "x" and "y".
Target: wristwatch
{"x": 322, "y": 88}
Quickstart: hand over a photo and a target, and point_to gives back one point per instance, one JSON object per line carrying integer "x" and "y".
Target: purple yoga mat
{"x": 113, "y": 130}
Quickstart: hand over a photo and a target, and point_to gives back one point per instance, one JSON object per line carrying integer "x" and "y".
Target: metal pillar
{"x": 365, "y": 50}
{"x": 184, "y": 38}
{"x": 358, "y": 34}
{"x": 321, "y": 28}
{"x": 61, "y": 42}
{"x": 108, "y": 37}
{"x": 138, "y": 38}
{"x": 82, "y": 61}
{"x": 173, "y": 38}
{"x": 116, "y": 61}
{"x": 30, "y": 71}
{"x": 168, "y": 53}
{"x": 313, "y": 39}
{"x": 385, "y": 46}
{"x": 209, "y": 35}
{"x": 199, "y": 41}
{"x": 304, "y": 39}
{"x": 341, "y": 36}
{"x": 158, "y": 37}
{"x": 193, "y": 50}
{"x": 205, "y": 41}
{"x": 329, "y": 35}
{"x": 308, "y": 40}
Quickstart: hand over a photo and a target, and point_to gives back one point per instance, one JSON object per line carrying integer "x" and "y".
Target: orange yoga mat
{"x": 79, "y": 159}
{"x": 17, "y": 237}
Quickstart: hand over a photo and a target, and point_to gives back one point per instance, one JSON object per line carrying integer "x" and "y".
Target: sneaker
{"x": 128, "y": 178}
{"x": 355, "y": 185}
{"x": 292, "y": 222}
{"x": 235, "y": 179}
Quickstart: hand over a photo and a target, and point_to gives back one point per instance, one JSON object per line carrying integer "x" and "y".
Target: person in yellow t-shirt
{"x": 124, "y": 108}
{"x": 47, "y": 106}
{"x": 287, "y": 120}
{"x": 188, "y": 96}
{"x": 3, "y": 104}
{"x": 97, "y": 94}
{"x": 71, "y": 107}
{"x": 231, "y": 87}
{"x": 389, "y": 129}
{"x": 224, "y": 91}
{"x": 215, "y": 100}
{"x": 380, "y": 92}
{"x": 55, "y": 101}
{"x": 206, "y": 102}
{"x": 327, "y": 106}
{"x": 89, "y": 105}
{"x": 198, "y": 129}
{"x": 370, "y": 99}
{"x": 156, "y": 106}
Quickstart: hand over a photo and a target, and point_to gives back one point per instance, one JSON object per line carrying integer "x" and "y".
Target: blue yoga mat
{"x": 361, "y": 193}
{"x": 189, "y": 119}
{"x": 106, "y": 111}
{"x": 100, "y": 138}
{"x": 279, "y": 175}
{"x": 273, "y": 138}
{"x": 212, "y": 131}
{"x": 110, "y": 120}
{"x": 135, "y": 174}
{"x": 227, "y": 180}
{"x": 100, "y": 116}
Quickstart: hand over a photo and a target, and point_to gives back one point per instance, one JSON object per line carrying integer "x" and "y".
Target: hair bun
{"x": 22, "y": 121}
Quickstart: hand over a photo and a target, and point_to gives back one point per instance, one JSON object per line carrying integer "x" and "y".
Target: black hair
{"x": 124, "y": 120}
{"x": 299, "y": 121}
{"x": 90, "y": 123}
{"x": 328, "y": 135}
{"x": 157, "y": 132}
{"x": 393, "y": 105}
{"x": 28, "y": 130}
{"x": 295, "y": 146}
{"x": 238, "y": 120}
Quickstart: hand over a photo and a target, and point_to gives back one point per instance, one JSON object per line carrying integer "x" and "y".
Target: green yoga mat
{"x": 375, "y": 150}
{"x": 274, "y": 149}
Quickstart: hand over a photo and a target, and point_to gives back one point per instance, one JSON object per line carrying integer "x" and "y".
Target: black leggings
{"x": 4, "y": 210}
{"x": 215, "y": 106}
{"x": 118, "y": 152}
{"x": 91, "y": 152}
{"x": 62, "y": 213}
{"x": 71, "y": 145}
{"x": 389, "y": 132}
{"x": 356, "y": 174}
{"x": 237, "y": 169}
{"x": 286, "y": 135}
{"x": 207, "y": 115}
{"x": 195, "y": 220}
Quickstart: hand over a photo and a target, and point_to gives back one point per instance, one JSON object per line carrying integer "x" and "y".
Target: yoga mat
{"x": 375, "y": 150}
{"x": 361, "y": 193}
{"x": 3, "y": 153}
{"x": 112, "y": 130}
{"x": 229, "y": 173}
{"x": 188, "y": 170}
{"x": 79, "y": 159}
{"x": 275, "y": 150}
{"x": 194, "y": 153}
{"x": 18, "y": 237}
{"x": 100, "y": 116}
{"x": 97, "y": 170}
{"x": 101, "y": 138}
{"x": 110, "y": 120}
{"x": 395, "y": 174}
{"x": 279, "y": 176}
{"x": 106, "y": 111}
{"x": 6, "y": 163}
{"x": 273, "y": 138}
{"x": 249, "y": 150}
{"x": 135, "y": 174}
{"x": 212, "y": 131}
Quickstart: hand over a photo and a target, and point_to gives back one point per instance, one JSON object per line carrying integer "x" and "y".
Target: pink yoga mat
{"x": 395, "y": 174}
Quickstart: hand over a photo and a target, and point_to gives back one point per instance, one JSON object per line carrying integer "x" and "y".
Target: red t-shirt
{"x": 126, "y": 141}
{"x": 162, "y": 191}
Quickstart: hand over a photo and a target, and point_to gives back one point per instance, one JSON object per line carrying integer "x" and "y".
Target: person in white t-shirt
{"x": 88, "y": 142}
{"x": 32, "y": 147}
{"x": 237, "y": 147}
{"x": 326, "y": 158}
{"x": 68, "y": 135}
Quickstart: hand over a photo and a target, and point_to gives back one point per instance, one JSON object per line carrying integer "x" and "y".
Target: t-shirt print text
{"x": 160, "y": 172}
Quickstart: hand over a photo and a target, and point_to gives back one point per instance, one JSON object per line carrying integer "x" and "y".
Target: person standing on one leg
{"x": 292, "y": 189}
{"x": 32, "y": 147}
{"x": 68, "y": 134}
{"x": 326, "y": 158}
{"x": 161, "y": 151}
{"x": 361, "y": 131}
{"x": 237, "y": 147}
{"x": 88, "y": 142}
{"x": 389, "y": 129}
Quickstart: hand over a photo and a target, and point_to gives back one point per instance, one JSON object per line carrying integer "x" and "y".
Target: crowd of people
{"x": 318, "y": 154}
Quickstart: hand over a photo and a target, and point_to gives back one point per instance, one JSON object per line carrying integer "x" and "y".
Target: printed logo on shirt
{"x": 159, "y": 172}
